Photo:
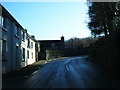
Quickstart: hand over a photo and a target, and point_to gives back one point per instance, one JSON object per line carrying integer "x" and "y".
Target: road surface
{"x": 74, "y": 72}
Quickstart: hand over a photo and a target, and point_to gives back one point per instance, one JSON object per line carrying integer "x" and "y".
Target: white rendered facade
{"x": 28, "y": 49}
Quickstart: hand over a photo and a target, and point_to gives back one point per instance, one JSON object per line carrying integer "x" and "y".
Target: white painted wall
{"x": 24, "y": 45}
{"x": 31, "y": 50}
{"x": 31, "y": 58}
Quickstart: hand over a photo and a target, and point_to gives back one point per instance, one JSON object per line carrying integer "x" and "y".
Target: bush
{"x": 106, "y": 52}
{"x": 51, "y": 54}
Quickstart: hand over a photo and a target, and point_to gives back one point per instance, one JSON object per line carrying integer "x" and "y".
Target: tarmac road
{"x": 74, "y": 72}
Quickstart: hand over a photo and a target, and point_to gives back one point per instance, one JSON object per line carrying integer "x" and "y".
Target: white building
{"x": 28, "y": 48}
{"x": 16, "y": 46}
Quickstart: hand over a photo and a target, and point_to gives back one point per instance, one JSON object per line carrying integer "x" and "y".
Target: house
{"x": 17, "y": 47}
{"x": 54, "y": 45}
{"x": 28, "y": 48}
{"x": 37, "y": 50}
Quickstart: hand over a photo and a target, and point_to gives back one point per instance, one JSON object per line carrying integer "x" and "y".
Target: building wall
{"x": 24, "y": 45}
{"x": 9, "y": 61}
{"x": 6, "y": 43}
{"x": 37, "y": 50}
{"x": 12, "y": 44}
{"x": 50, "y": 45}
{"x": 31, "y": 50}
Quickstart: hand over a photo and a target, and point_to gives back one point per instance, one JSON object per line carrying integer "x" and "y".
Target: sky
{"x": 51, "y": 20}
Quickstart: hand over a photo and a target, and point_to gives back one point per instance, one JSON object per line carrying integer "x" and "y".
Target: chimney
{"x": 33, "y": 36}
{"x": 62, "y": 39}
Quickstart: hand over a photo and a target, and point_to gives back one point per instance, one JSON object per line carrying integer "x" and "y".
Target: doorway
{"x": 17, "y": 57}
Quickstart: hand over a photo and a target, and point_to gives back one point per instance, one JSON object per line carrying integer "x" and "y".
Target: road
{"x": 74, "y": 72}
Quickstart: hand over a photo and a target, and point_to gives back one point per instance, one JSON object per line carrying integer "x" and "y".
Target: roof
{"x": 49, "y": 40}
{"x": 4, "y": 11}
{"x": 31, "y": 37}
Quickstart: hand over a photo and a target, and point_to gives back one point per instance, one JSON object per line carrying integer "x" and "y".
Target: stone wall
{"x": 51, "y": 54}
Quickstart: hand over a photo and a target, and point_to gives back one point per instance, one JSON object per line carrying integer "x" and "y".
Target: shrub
{"x": 51, "y": 54}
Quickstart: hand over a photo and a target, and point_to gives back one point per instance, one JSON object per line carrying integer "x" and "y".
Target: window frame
{"x": 28, "y": 45}
{"x": 32, "y": 55}
{"x": 53, "y": 45}
{"x": 28, "y": 54}
{"x": 23, "y": 35}
{"x": 31, "y": 44}
{"x": 2, "y": 21}
{"x": 4, "y": 46}
{"x": 17, "y": 30}
{"x": 23, "y": 54}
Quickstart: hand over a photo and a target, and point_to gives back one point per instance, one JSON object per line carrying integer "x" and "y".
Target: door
{"x": 17, "y": 57}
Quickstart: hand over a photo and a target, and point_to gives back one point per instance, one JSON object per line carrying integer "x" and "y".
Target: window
{"x": 27, "y": 53}
{"x": 17, "y": 50}
{"x": 23, "y": 36}
{"x": 23, "y": 54}
{"x": 17, "y": 30}
{"x": 28, "y": 42}
{"x": 53, "y": 45}
{"x": 32, "y": 55}
{"x": 3, "y": 48}
{"x": 1, "y": 20}
{"x": 3, "y": 44}
{"x": 0, "y": 48}
{"x": 31, "y": 44}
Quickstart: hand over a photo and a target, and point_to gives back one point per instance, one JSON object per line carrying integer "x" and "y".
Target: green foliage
{"x": 116, "y": 22}
{"x": 78, "y": 46}
{"x": 101, "y": 16}
{"x": 78, "y": 42}
{"x": 106, "y": 52}
{"x": 104, "y": 18}
{"x": 50, "y": 54}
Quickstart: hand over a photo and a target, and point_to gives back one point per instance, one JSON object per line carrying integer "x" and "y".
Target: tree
{"x": 78, "y": 46}
{"x": 101, "y": 15}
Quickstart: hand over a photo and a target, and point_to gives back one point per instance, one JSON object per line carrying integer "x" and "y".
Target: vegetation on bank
{"x": 78, "y": 46}
{"x": 105, "y": 20}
